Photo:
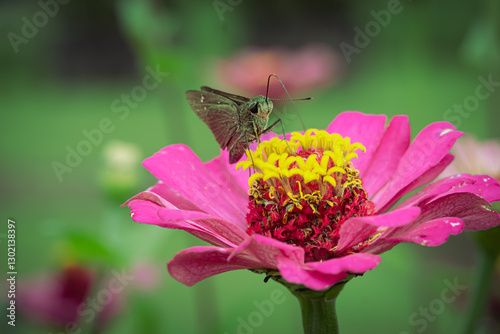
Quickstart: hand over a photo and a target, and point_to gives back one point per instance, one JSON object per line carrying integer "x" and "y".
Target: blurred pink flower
{"x": 318, "y": 215}
{"x": 63, "y": 298}
{"x": 310, "y": 67}
{"x": 482, "y": 157}
{"x": 147, "y": 275}
{"x": 475, "y": 157}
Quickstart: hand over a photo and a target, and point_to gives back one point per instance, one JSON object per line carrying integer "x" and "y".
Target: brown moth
{"x": 234, "y": 120}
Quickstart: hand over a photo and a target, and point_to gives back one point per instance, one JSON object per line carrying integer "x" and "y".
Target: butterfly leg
{"x": 283, "y": 129}
{"x": 269, "y": 128}
{"x": 250, "y": 152}
{"x": 256, "y": 132}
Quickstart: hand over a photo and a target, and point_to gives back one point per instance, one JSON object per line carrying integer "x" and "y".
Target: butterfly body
{"x": 234, "y": 120}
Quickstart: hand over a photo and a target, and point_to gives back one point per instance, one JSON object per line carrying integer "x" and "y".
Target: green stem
{"x": 480, "y": 291}
{"x": 318, "y": 314}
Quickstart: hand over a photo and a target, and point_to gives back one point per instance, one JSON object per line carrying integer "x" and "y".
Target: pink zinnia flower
{"x": 319, "y": 214}
{"x": 310, "y": 67}
{"x": 475, "y": 157}
{"x": 61, "y": 298}
{"x": 480, "y": 157}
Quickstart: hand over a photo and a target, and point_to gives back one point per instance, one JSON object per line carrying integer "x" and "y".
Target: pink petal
{"x": 379, "y": 246}
{"x": 172, "y": 196}
{"x": 482, "y": 185}
{"x": 428, "y": 149}
{"x": 152, "y": 197}
{"x": 324, "y": 274}
{"x": 442, "y": 186}
{"x": 223, "y": 231}
{"x": 356, "y": 230}
{"x": 423, "y": 179}
{"x": 145, "y": 212}
{"x": 227, "y": 174}
{"x": 265, "y": 250}
{"x": 162, "y": 196}
{"x": 385, "y": 160}
{"x": 192, "y": 265}
{"x": 362, "y": 128}
{"x": 473, "y": 210}
{"x": 182, "y": 170}
{"x": 149, "y": 208}
{"x": 431, "y": 233}
{"x": 295, "y": 273}
{"x": 352, "y": 232}
{"x": 357, "y": 263}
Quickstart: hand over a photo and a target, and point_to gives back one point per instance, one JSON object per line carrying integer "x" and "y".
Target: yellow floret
{"x": 273, "y": 160}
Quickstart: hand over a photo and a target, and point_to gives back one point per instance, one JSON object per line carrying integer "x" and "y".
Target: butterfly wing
{"x": 219, "y": 113}
{"x": 238, "y": 99}
{"x": 236, "y": 153}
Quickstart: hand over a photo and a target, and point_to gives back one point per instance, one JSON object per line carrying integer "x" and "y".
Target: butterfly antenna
{"x": 290, "y": 98}
{"x": 267, "y": 89}
{"x": 302, "y": 99}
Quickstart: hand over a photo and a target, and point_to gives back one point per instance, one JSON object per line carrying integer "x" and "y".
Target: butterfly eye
{"x": 254, "y": 108}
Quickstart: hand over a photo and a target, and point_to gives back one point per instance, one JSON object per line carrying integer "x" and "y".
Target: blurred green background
{"x": 63, "y": 78}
